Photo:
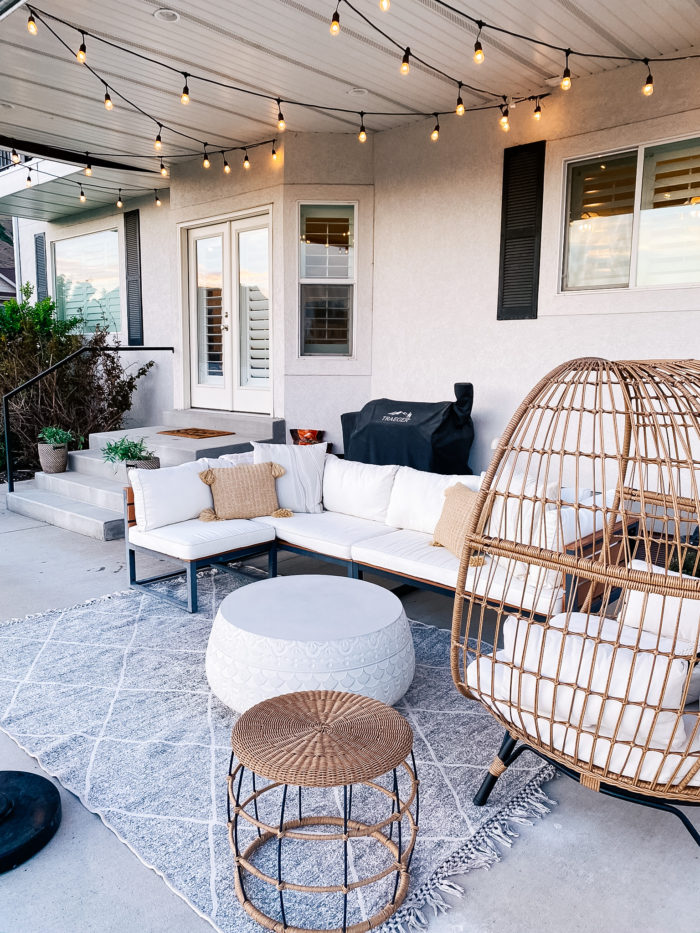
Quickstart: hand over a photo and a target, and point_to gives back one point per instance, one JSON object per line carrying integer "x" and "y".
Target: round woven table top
{"x": 321, "y": 738}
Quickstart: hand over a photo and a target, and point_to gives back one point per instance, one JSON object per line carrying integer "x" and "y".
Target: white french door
{"x": 230, "y": 315}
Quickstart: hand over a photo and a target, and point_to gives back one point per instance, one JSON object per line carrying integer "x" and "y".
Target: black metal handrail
{"x": 25, "y": 385}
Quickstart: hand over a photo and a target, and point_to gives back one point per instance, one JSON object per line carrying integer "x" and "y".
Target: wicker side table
{"x": 323, "y": 739}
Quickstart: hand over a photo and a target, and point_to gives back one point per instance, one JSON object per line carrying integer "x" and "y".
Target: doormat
{"x": 197, "y": 433}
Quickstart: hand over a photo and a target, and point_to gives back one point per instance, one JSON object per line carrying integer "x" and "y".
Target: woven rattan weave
{"x": 590, "y": 505}
{"x": 323, "y": 739}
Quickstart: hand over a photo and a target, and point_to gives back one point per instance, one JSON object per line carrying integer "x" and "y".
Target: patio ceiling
{"x": 283, "y": 47}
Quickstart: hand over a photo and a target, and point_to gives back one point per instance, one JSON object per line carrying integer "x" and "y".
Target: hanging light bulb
{"x": 120, "y": 203}
{"x": 537, "y": 112}
{"x": 108, "y": 100}
{"x": 81, "y": 54}
{"x": 163, "y": 169}
{"x": 83, "y": 199}
{"x": 384, "y": 5}
{"x": 28, "y": 182}
{"x": 227, "y": 167}
{"x": 478, "y": 49}
{"x": 435, "y": 135}
{"x": 503, "y": 119}
{"x": 362, "y": 135}
{"x": 88, "y": 168}
{"x": 406, "y": 62}
{"x": 281, "y": 125}
{"x": 648, "y": 88}
{"x": 459, "y": 109}
{"x": 246, "y": 160}
{"x": 274, "y": 153}
{"x": 566, "y": 76}
{"x": 158, "y": 142}
{"x": 185, "y": 96}
{"x": 156, "y": 198}
{"x": 31, "y": 25}
{"x": 205, "y": 159}
{"x": 335, "y": 23}
{"x": 15, "y": 156}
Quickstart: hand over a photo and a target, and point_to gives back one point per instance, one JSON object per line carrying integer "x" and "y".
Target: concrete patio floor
{"x": 593, "y": 864}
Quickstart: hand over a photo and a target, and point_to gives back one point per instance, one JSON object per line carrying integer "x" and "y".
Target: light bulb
{"x": 81, "y": 54}
{"x": 31, "y": 25}
{"x": 185, "y": 96}
{"x": 335, "y": 24}
{"x": 459, "y": 109}
{"x": 435, "y": 135}
{"x": 120, "y": 203}
{"x": 163, "y": 169}
{"x": 281, "y": 125}
{"x": 362, "y": 135}
{"x": 82, "y": 195}
{"x": 478, "y": 53}
{"x": 205, "y": 160}
{"x": 566, "y": 76}
{"x": 157, "y": 199}
{"x": 88, "y": 169}
{"x": 503, "y": 119}
{"x": 384, "y": 5}
{"x": 648, "y": 88}
{"x": 15, "y": 156}
{"x": 246, "y": 161}
{"x": 537, "y": 112}
{"x": 406, "y": 62}
{"x": 227, "y": 168}
{"x": 108, "y": 101}
{"x": 505, "y": 126}
{"x": 158, "y": 142}
{"x": 28, "y": 182}
{"x": 274, "y": 154}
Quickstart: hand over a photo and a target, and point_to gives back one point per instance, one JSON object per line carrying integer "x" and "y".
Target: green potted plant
{"x": 53, "y": 449}
{"x": 132, "y": 452}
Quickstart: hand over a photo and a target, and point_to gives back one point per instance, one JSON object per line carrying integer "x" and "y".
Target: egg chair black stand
{"x": 30, "y": 814}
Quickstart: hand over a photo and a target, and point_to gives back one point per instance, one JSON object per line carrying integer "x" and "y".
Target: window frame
{"x": 349, "y": 280}
{"x": 632, "y": 286}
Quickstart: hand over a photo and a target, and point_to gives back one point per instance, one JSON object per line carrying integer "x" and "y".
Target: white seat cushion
{"x": 411, "y": 554}
{"x": 417, "y": 498}
{"x": 359, "y": 489}
{"x": 327, "y": 532}
{"x": 194, "y": 539}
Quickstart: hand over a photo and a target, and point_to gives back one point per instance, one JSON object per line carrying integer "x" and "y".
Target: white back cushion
{"x": 301, "y": 487}
{"x": 417, "y": 498}
{"x": 660, "y": 615}
{"x": 172, "y": 494}
{"x": 361, "y": 489}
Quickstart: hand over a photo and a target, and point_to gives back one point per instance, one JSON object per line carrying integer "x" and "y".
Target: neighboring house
{"x": 8, "y": 288}
{"x": 343, "y": 272}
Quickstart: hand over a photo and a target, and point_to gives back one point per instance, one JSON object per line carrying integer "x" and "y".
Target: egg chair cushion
{"x": 670, "y": 616}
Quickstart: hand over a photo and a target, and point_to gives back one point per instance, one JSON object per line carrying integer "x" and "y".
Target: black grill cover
{"x": 432, "y": 436}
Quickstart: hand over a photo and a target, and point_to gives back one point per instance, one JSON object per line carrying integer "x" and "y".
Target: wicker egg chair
{"x": 580, "y": 629}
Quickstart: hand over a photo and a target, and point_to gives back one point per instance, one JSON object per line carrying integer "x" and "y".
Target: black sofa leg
{"x": 272, "y": 562}
{"x": 191, "y": 586}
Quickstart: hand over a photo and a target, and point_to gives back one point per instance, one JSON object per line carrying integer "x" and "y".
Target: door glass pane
{"x": 86, "y": 270}
{"x": 326, "y": 319}
{"x": 599, "y": 223}
{"x": 327, "y": 241}
{"x": 254, "y": 291}
{"x": 669, "y": 222}
{"x": 210, "y": 276}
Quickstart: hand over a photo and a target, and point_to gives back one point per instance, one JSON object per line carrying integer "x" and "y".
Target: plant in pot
{"x": 53, "y": 449}
{"x": 132, "y": 452}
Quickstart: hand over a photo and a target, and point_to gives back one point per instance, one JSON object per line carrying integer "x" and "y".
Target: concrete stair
{"x": 88, "y": 497}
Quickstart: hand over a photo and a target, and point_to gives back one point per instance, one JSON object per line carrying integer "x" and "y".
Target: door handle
{"x": 224, "y": 327}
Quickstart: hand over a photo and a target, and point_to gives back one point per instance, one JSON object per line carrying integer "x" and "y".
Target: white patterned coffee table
{"x": 309, "y": 632}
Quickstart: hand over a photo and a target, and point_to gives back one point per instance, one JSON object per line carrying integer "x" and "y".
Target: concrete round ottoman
{"x": 309, "y": 632}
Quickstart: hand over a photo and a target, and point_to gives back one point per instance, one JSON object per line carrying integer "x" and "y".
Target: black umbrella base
{"x": 30, "y": 813}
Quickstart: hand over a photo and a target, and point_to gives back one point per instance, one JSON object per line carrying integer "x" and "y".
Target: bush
{"x": 91, "y": 393}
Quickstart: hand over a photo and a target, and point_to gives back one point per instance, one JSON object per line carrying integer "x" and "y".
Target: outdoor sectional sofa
{"x": 377, "y": 519}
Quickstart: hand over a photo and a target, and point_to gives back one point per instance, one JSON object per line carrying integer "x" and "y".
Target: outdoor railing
{"x": 25, "y": 385}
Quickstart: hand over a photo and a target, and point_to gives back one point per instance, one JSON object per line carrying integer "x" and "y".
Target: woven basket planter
{"x": 153, "y": 463}
{"x": 53, "y": 457}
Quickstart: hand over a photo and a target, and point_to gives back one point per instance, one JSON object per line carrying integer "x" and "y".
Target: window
{"x": 634, "y": 219}
{"x": 86, "y": 279}
{"x": 326, "y": 279}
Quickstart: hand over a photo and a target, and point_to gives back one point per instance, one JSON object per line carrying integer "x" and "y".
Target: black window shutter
{"x": 132, "y": 251}
{"x": 42, "y": 282}
{"x": 521, "y": 228}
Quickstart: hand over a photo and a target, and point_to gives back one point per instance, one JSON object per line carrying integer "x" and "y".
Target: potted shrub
{"x": 132, "y": 453}
{"x": 53, "y": 449}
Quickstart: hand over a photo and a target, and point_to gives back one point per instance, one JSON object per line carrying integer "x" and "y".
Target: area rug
{"x": 111, "y": 698}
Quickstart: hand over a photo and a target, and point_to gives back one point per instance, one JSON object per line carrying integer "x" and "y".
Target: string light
{"x": 108, "y": 100}
{"x": 335, "y": 23}
{"x": 158, "y": 142}
{"x": 566, "y": 76}
{"x": 31, "y": 25}
{"x": 406, "y": 61}
{"x": 274, "y": 153}
{"x": 28, "y": 182}
{"x": 478, "y": 50}
{"x": 163, "y": 169}
{"x": 459, "y": 109}
{"x": 185, "y": 96}
{"x": 227, "y": 167}
{"x": 120, "y": 203}
{"x": 81, "y": 54}
{"x": 246, "y": 160}
{"x": 503, "y": 119}
{"x": 648, "y": 88}
{"x": 537, "y": 112}
{"x": 281, "y": 125}
{"x": 384, "y": 5}
{"x": 157, "y": 199}
{"x": 15, "y": 156}
{"x": 205, "y": 159}
{"x": 83, "y": 199}
{"x": 362, "y": 135}
{"x": 88, "y": 168}
{"x": 435, "y": 135}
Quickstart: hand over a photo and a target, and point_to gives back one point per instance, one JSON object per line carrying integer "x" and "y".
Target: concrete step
{"x": 95, "y": 490}
{"x": 81, "y": 517}
{"x": 175, "y": 450}
{"x": 90, "y": 463}
{"x": 255, "y": 426}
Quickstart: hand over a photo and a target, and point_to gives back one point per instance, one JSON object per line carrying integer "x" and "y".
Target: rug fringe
{"x": 481, "y": 851}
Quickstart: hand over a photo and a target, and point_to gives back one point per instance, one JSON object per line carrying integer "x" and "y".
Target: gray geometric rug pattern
{"x": 112, "y": 699}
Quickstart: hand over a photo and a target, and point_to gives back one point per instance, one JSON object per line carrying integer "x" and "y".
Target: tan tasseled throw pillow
{"x": 245, "y": 491}
{"x": 452, "y": 524}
